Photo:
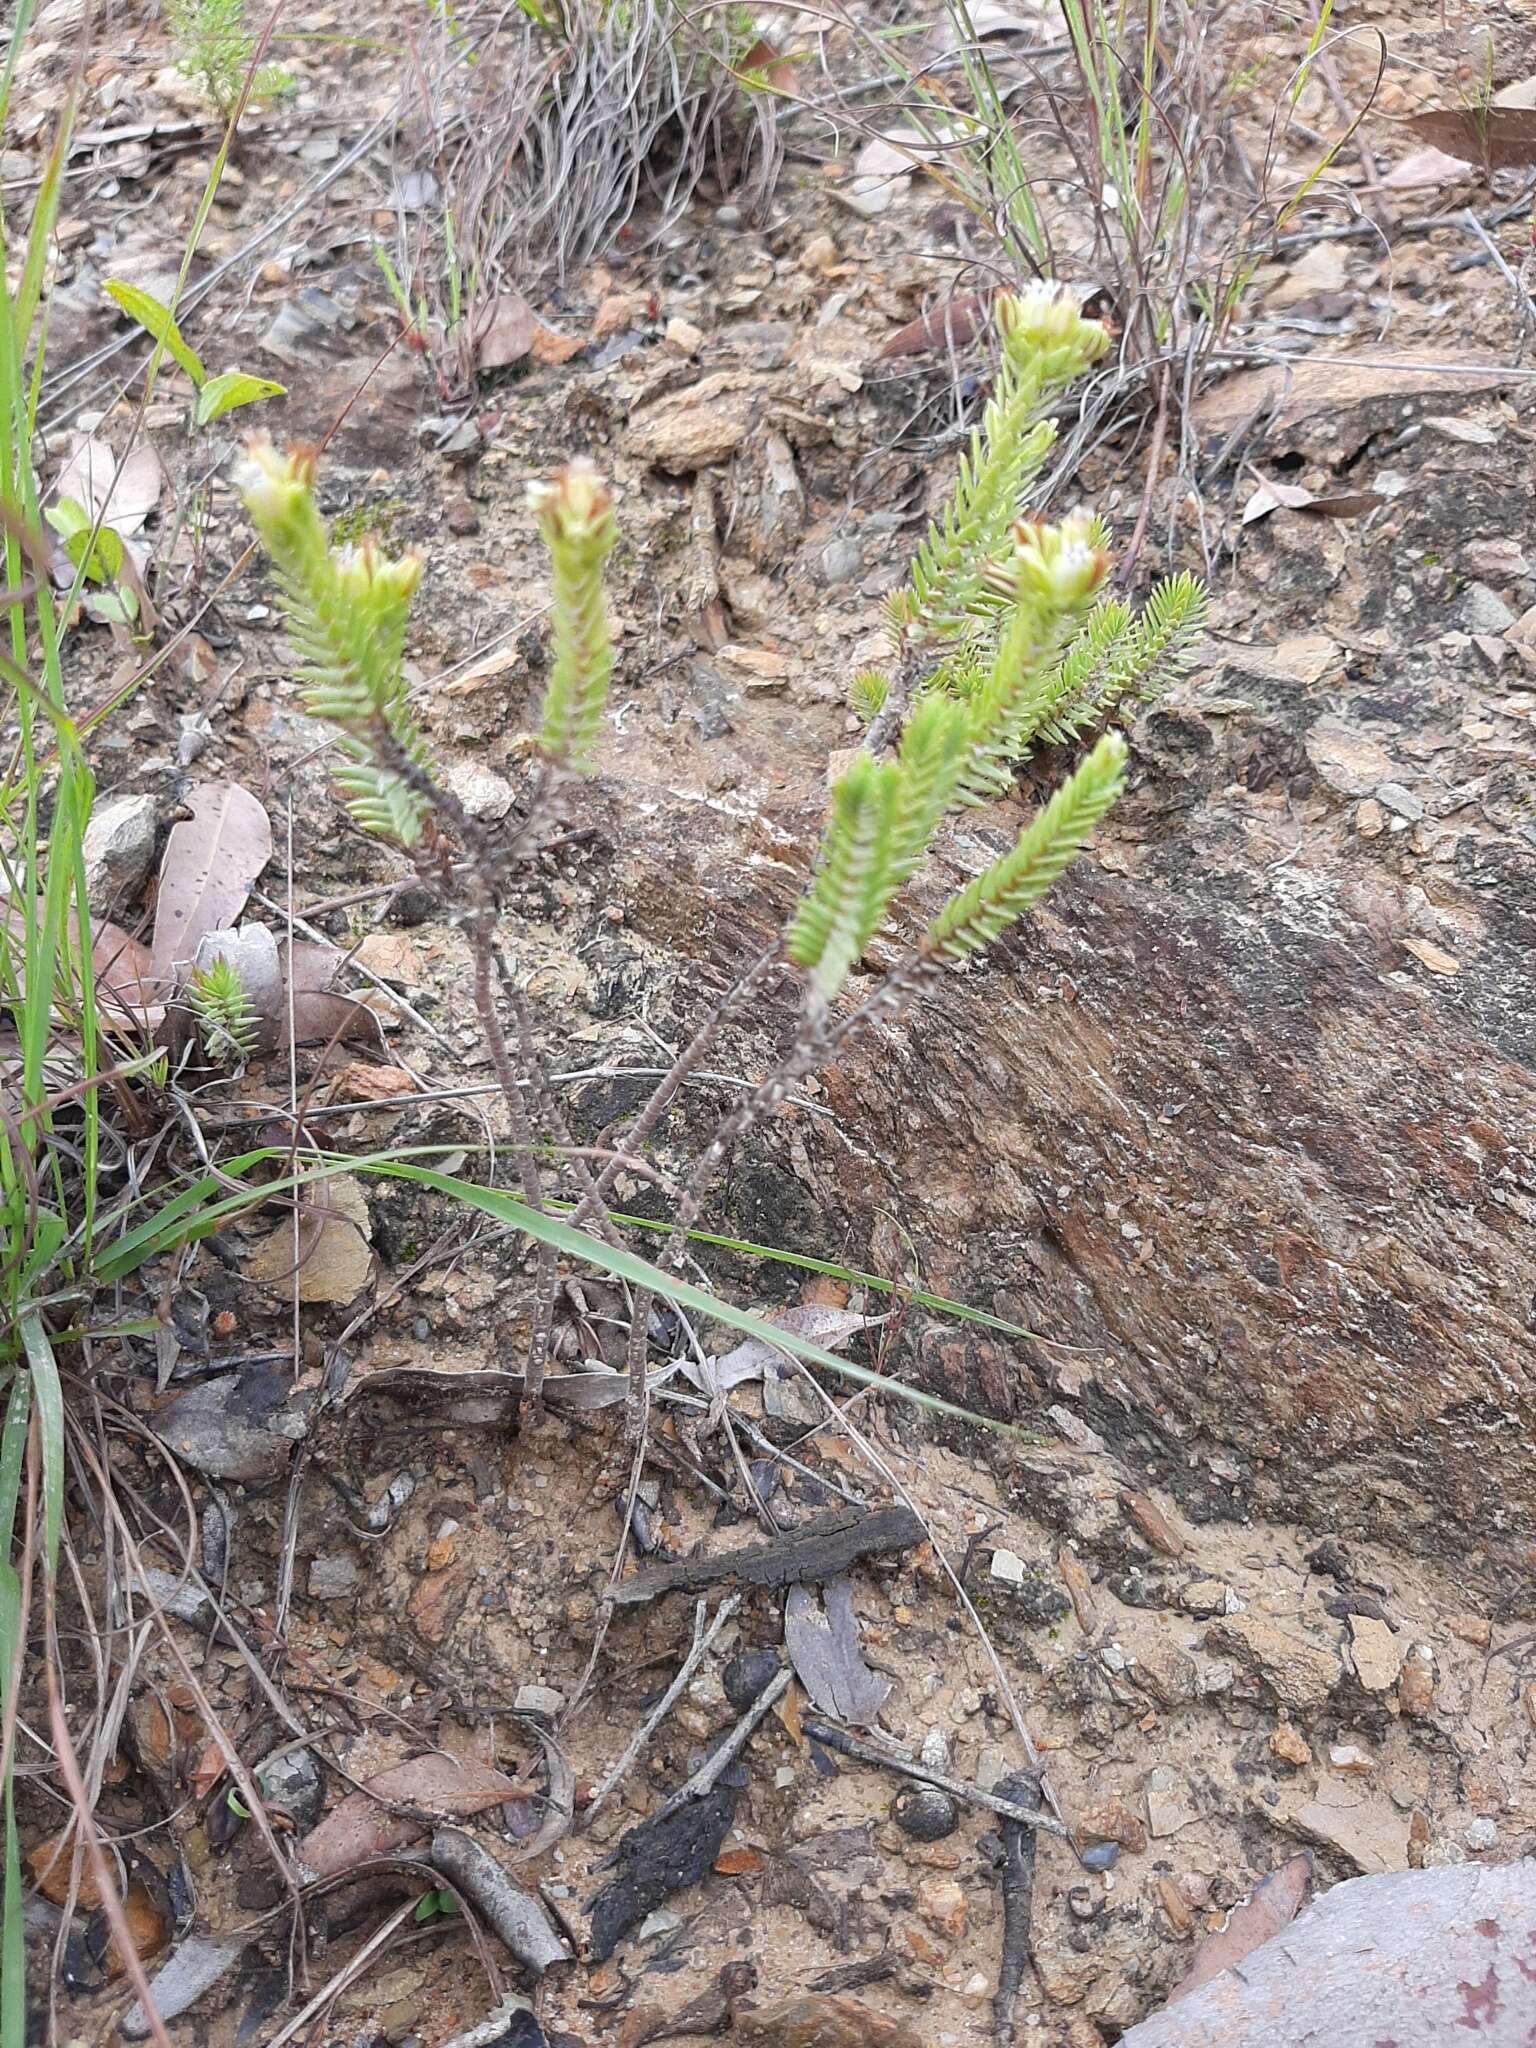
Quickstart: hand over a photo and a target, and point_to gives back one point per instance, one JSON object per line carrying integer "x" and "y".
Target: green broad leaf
{"x": 231, "y": 389}
{"x": 103, "y": 563}
{"x": 113, "y": 607}
{"x": 158, "y": 323}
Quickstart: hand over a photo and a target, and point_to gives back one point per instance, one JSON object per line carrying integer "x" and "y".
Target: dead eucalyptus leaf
{"x": 822, "y": 1638}
{"x": 447, "y": 1787}
{"x": 123, "y": 977}
{"x": 504, "y": 331}
{"x": 125, "y": 493}
{"x": 1273, "y": 1903}
{"x": 752, "y": 1359}
{"x": 1495, "y": 138}
{"x": 211, "y": 861}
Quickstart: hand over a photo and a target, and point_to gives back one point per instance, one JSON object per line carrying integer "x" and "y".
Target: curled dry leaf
{"x": 1273, "y": 1903}
{"x": 211, "y": 862}
{"x": 447, "y": 1787}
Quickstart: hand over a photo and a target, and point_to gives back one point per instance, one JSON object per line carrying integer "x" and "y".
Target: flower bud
{"x": 1059, "y": 565}
{"x": 274, "y": 484}
{"x": 575, "y": 505}
{"x": 1042, "y": 322}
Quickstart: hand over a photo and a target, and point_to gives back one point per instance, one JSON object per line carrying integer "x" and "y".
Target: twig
{"x": 709, "y": 1773}
{"x": 905, "y": 1767}
{"x": 1018, "y": 1903}
{"x": 703, "y": 1639}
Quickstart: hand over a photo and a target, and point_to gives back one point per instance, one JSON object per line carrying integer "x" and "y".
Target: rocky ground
{"x": 1240, "y": 1126}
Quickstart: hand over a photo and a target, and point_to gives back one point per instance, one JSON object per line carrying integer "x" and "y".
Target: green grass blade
{"x": 192, "y": 1215}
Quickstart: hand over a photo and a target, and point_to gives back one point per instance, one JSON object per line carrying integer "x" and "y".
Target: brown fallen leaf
{"x": 1074, "y": 1575}
{"x": 211, "y": 862}
{"x": 1273, "y": 1903}
{"x": 357, "y": 1081}
{"x": 503, "y": 331}
{"x": 49, "y": 1864}
{"x": 123, "y": 975}
{"x": 449, "y": 1788}
{"x": 764, "y": 65}
{"x": 952, "y": 324}
{"x": 552, "y": 348}
{"x": 1496, "y": 138}
{"x": 320, "y": 1013}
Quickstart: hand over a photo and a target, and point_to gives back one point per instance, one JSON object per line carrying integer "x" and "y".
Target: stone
{"x": 1287, "y": 1744}
{"x": 1375, "y": 1652}
{"x": 335, "y": 1262}
{"x": 1470, "y": 1628}
{"x": 934, "y": 1754}
{"x": 815, "y": 2020}
{"x": 925, "y": 1813}
{"x": 1481, "y": 1833}
{"x": 841, "y": 560}
{"x": 118, "y": 847}
{"x": 941, "y": 1905}
{"x": 482, "y": 792}
{"x": 617, "y": 312}
{"x": 1111, "y": 1820}
{"x": 460, "y": 516}
{"x": 1206, "y": 1596}
{"x": 1345, "y": 759}
{"x": 1416, "y": 1683}
{"x": 1495, "y": 561}
{"x": 1370, "y": 820}
{"x": 1170, "y": 1804}
{"x": 693, "y": 428}
{"x": 682, "y": 337}
{"x": 332, "y": 1578}
{"x": 1300, "y": 1674}
{"x": 1163, "y": 1670}
{"x": 1400, "y": 801}
{"x": 1008, "y": 1566}
{"x": 818, "y": 255}
{"x": 538, "y": 1699}
{"x": 1482, "y": 610}
{"x": 1349, "y": 1756}
{"x": 1350, "y": 1818}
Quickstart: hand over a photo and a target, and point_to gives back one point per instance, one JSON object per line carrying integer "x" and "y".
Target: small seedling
{"x": 431, "y": 1904}
{"x": 216, "y": 395}
{"x": 226, "y": 1022}
{"x": 215, "y": 46}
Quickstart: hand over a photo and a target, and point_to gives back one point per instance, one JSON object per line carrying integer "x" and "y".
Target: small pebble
{"x": 727, "y": 216}
{"x": 1101, "y": 1856}
{"x": 925, "y": 1813}
{"x": 841, "y": 560}
{"x": 745, "y": 1676}
{"x": 460, "y": 516}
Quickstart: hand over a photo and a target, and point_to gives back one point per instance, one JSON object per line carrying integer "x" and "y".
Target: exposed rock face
{"x": 1208, "y": 1125}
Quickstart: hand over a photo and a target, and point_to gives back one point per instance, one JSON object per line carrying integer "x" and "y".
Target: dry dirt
{"x": 1257, "y": 1567}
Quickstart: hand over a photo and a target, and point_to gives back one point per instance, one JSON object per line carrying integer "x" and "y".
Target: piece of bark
{"x": 819, "y": 1549}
